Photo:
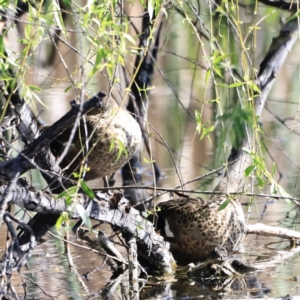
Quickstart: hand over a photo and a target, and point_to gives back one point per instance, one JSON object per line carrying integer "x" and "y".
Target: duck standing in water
{"x": 197, "y": 226}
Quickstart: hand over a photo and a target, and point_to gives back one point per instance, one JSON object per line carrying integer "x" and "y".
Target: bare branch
{"x": 22, "y": 162}
{"x": 109, "y": 210}
{"x": 272, "y": 231}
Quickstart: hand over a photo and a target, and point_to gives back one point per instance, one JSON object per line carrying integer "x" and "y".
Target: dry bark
{"x": 266, "y": 230}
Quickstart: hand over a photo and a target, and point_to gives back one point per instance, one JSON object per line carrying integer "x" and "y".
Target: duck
{"x": 113, "y": 137}
{"x": 195, "y": 227}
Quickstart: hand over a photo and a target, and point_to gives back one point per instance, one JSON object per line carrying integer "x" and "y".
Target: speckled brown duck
{"x": 194, "y": 227}
{"x": 114, "y": 136}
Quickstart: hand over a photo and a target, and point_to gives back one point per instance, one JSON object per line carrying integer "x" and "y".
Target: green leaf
{"x": 294, "y": 16}
{"x": 274, "y": 169}
{"x": 222, "y": 84}
{"x": 59, "y": 222}
{"x": 246, "y": 150}
{"x": 220, "y": 10}
{"x": 144, "y": 214}
{"x": 68, "y": 192}
{"x": 2, "y": 47}
{"x": 207, "y": 75}
{"x": 58, "y": 17}
{"x": 68, "y": 88}
{"x": 83, "y": 215}
{"x": 197, "y": 116}
{"x": 236, "y": 84}
{"x": 206, "y": 131}
{"x": 129, "y": 38}
{"x": 45, "y": 19}
{"x": 224, "y": 204}
{"x": 75, "y": 175}
{"x": 5, "y": 77}
{"x": 86, "y": 189}
{"x": 220, "y": 58}
{"x": 122, "y": 149}
{"x": 148, "y": 161}
{"x": 100, "y": 55}
{"x": 217, "y": 70}
{"x": 34, "y": 88}
{"x": 249, "y": 170}
{"x": 28, "y": 31}
{"x": 273, "y": 189}
{"x": 284, "y": 193}
{"x": 68, "y": 200}
{"x": 111, "y": 146}
{"x": 254, "y": 87}
{"x": 214, "y": 100}
{"x": 4, "y": 3}
{"x": 261, "y": 183}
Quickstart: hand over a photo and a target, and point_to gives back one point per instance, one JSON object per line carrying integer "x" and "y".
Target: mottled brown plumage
{"x": 110, "y": 129}
{"x": 198, "y": 226}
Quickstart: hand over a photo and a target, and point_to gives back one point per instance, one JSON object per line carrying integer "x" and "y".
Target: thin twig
{"x": 47, "y": 294}
{"x": 87, "y": 248}
{"x": 7, "y": 195}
